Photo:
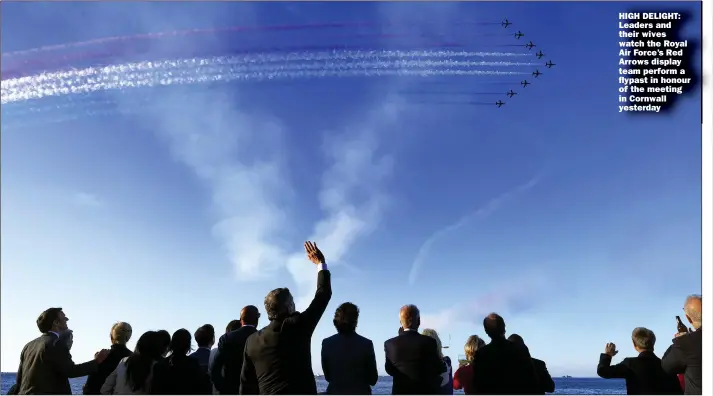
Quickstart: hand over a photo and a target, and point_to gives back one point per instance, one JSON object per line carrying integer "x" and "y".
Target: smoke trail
{"x": 452, "y": 103}
{"x": 436, "y": 93}
{"x": 77, "y": 84}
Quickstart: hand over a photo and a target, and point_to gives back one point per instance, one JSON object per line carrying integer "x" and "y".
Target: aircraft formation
{"x": 505, "y": 23}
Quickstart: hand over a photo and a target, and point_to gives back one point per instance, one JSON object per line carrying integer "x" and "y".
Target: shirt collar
{"x": 54, "y": 332}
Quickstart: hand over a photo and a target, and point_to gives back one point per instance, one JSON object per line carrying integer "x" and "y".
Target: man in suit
{"x": 685, "y": 355}
{"x": 278, "y": 358}
{"x": 412, "y": 359}
{"x": 219, "y": 373}
{"x": 45, "y": 363}
{"x": 348, "y": 359}
{"x": 643, "y": 374}
{"x": 205, "y": 338}
{"x": 501, "y": 367}
{"x": 547, "y": 385}
{"x": 230, "y": 353}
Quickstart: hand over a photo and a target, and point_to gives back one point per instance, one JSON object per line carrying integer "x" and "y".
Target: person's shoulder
{"x": 391, "y": 341}
{"x": 538, "y": 362}
{"x": 330, "y": 339}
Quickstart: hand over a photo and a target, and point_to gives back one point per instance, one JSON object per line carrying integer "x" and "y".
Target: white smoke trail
{"x": 81, "y": 81}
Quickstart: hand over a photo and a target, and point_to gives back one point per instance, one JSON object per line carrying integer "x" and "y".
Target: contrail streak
{"x": 492, "y": 205}
{"x": 82, "y": 81}
{"x": 453, "y": 103}
{"x": 436, "y": 93}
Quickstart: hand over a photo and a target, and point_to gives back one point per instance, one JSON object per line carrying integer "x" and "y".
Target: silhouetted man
{"x": 45, "y": 363}
{"x": 278, "y": 358}
{"x": 218, "y": 374}
{"x": 502, "y": 367}
{"x": 643, "y": 374}
{"x": 412, "y": 359}
{"x": 205, "y": 338}
{"x": 685, "y": 355}
{"x": 348, "y": 359}
{"x": 547, "y": 385}
{"x": 231, "y": 353}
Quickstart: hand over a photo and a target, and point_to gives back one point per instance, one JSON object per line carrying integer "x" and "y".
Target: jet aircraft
{"x": 539, "y": 54}
{"x": 525, "y": 83}
{"x": 519, "y": 34}
{"x": 550, "y": 64}
{"x": 506, "y": 23}
{"x": 536, "y": 73}
{"x": 499, "y": 103}
{"x": 511, "y": 93}
{"x": 530, "y": 45}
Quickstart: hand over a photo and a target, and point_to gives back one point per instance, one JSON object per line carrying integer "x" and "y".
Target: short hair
{"x": 205, "y": 335}
{"x": 47, "y": 318}
{"x": 643, "y": 338}
{"x": 346, "y": 318}
{"x": 410, "y": 317}
{"x": 277, "y": 302}
{"x": 233, "y": 325}
{"x": 692, "y": 311}
{"x": 434, "y": 334}
{"x": 250, "y": 315}
{"x": 494, "y": 325}
{"x": 471, "y": 346}
{"x": 180, "y": 342}
{"x": 120, "y": 332}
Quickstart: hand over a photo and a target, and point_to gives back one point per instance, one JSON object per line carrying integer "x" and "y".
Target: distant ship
{"x": 566, "y": 376}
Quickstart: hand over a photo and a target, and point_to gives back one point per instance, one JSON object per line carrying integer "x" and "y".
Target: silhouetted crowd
{"x": 277, "y": 359}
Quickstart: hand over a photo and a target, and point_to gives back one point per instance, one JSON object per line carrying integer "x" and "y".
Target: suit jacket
{"x": 278, "y": 358}
{"x": 547, "y": 385}
{"x": 96, "y": 380}
{"x": 117, "y": 384}
{"x": 46, "y": 366}
{"x": 643, "y": 374}
{"x": 349, "y": 364}
{"x": 684, "y": 356}
{"x": 202, "y": 355}
{"x": 413, "y": 362}
{"x": 229, "y": 360}
{"x": 503, "y": 367}
{"x": 180, "y": 375}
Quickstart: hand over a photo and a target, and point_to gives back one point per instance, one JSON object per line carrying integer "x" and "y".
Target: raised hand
{"x": 314, "y": 254}
{"x": 101, "y": 355}
{"x": 610, "y": 349}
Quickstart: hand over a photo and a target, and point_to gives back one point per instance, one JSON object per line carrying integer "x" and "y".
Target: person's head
{"x": 517, "y": 340}
{"x": 67, "y": 337}
{"x": 471, "y": 346}
{"x": 279, "y": 304}
{"x": 138, "y": 365}
{"x": 249, "y": 315}
{"x": 410, "y": 317}
{"x": 643, "y": 339}
{"x": 180, "y": 343}
{"x": 494, "y": 326}
{"x": 163, "y": 338}
{"x": 205, "y": 336}
{"x": 120, "y": 333}
{"x": 52, "y": 319}
{"x": 433, "y": 334}
{"x": 694, "y": 310}
{"x": 233, "y": 325}
{"x": 346, "y": 318}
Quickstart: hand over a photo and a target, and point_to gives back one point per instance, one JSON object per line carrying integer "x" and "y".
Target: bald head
{"x": 410, "y": 317}
{"x": 694, "y": 310}
{"x": 494, "y": 326}
{"x": 249, "y": 315}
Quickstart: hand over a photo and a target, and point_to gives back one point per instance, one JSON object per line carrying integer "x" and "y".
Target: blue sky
{"x": 556, "y": 211}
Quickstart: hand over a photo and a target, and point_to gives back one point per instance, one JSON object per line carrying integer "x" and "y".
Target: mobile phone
{"x": 680, "y": 326}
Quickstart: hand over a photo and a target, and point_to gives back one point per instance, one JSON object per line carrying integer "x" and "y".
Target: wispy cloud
{"x": 352, "y": 196}
{"x": 512, "y": 296}
{"x": 482, "y": 212}
{"x": 86, "y": 199}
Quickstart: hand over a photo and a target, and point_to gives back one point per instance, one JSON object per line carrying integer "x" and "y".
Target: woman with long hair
{"x": 132, "y": 375}
{"x": 446, "y": 376}
{"x": 463, "y": 378}
{"x": 179, "y": 374}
